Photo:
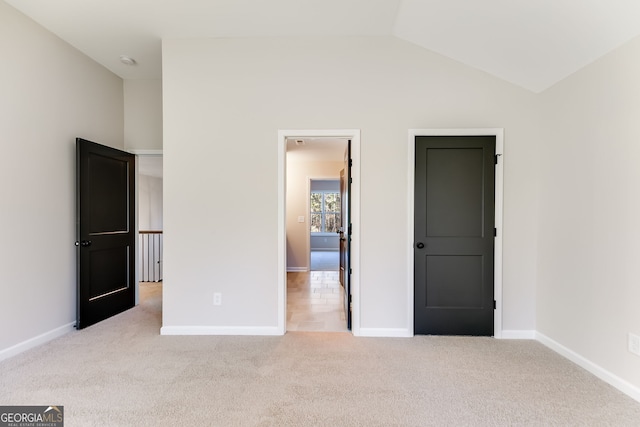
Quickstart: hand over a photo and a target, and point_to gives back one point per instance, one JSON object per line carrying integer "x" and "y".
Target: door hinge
{"x": 350, "y": 272}
{"x": 494, "y": 304}
{"x": 496, "y": 158}
{"x": 350, "y": 180}
{"x": 350, "y": 162}
{"x": 495, "y": 232}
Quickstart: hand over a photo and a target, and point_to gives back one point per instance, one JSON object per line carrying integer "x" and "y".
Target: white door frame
{"x": 499, "y": 197}
{"x": 354, "y": 136}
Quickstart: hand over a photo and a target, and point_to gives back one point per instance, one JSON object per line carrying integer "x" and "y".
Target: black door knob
{"x": 420, "y": 245}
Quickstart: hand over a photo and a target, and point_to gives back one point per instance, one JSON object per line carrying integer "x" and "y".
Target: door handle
{"x": 420, "y": 245}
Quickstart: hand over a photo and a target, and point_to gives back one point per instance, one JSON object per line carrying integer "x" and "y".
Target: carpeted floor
{"x": 121, "y": 372}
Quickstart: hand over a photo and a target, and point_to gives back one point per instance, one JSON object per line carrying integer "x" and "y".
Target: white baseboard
{"x": 518, "y": 335}
{"x": 606, "y": 376}
{"x": 36, "y": 341}
{"x": 384, "y": 332}
{"x": 297, "y": 269}
{"x": 220, "y": 330}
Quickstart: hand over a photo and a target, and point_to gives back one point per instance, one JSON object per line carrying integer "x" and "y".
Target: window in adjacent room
{"x": 325, "y": 211}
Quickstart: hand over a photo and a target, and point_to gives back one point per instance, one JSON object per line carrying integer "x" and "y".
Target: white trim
{"x": 145, "y": 152}
{"x": 518, "y": 335}
{"x": 354, "y": 136}
{"x": 297, "y": 269}
{"x": 606, "y": 376}
{"x": 386, "y": 332}
{"x": 36, "y": 341}
{"x": 219, "y": 330}
{"x": 499, "y": 200}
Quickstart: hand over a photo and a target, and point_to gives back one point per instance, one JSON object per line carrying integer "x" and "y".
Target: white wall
{"x": 149, "y": 203}
{"x": 224, "y": 101}
{"x": 143, "y": 114}
{"x": 589, "y": 245}
{"x": 298, "y": 174}
{"x": 51, "y": 94}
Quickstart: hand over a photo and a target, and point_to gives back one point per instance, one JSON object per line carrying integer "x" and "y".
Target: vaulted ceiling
{"x": 530, "y": 43}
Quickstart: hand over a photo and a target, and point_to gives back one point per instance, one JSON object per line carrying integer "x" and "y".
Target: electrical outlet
{"x": 634, "y": 344}
{"x": 217, "y": 298}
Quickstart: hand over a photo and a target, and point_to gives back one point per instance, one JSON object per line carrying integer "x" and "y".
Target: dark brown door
{"x": 105, "y": 230}
{"x": 345, "y": 232}
{"x": 454, "y": 235}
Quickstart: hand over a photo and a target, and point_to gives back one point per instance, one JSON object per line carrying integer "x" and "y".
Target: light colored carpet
{"x": 121, "y": 372}
{"x": 325, "y": 260}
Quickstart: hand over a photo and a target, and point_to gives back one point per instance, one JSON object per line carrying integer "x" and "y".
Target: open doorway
{"x": 314, "y": 291}
{"x": 325, "y": 219}
{"x": 150, "y": 229}
{"x": 312, "y": 295}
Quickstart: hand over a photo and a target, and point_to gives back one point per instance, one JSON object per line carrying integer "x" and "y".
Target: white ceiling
{"x": 531, "y": 43}
{"x": 316, "y": 149}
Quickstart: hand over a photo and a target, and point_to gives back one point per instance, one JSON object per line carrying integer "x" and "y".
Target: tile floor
{"x": 315, "y": 302}
{"x": 325, "y": 260}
